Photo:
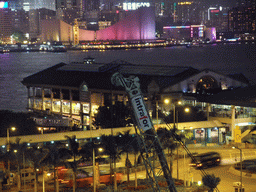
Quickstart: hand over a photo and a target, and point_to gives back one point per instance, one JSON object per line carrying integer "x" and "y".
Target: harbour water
{"x": 226, "y": 59}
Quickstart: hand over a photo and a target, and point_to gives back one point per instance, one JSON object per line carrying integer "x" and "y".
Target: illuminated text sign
{"x": 3, "y": 4}
{"x": 141, "y": 113}
{"x": 135, "y": 5}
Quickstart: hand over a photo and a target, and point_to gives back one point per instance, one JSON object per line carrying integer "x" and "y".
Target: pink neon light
{"x": 177, "y": 27}
{"x": 138, "y": 25}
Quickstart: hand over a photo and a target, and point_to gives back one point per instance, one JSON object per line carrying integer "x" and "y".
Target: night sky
{"x": 230, "y": 3}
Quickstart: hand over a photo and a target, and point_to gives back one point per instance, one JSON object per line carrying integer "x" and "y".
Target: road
{"x": 229, "y": 157}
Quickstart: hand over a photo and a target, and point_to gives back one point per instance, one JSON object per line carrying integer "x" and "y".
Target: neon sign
{"x": 215, "y": 11}
{"x": 3, "y": 4}
{"x": 185, "y": 3}
{"x": 135, "y": 5}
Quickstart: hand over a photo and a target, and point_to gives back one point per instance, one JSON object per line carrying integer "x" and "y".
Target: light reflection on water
{"x": 233, "y": 58}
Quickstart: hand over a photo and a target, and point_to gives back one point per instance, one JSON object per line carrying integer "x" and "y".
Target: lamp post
{"x": 8, "y": 148}
{"x": 157, "y": 114}
{"x": 8, "y": 137}
{"x": 241, "y": 168}
{"x": 95, "y": 169}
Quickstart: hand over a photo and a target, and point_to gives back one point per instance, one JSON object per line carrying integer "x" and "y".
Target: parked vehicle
{"x": 204, "y": 160}
{"x": 245, "y": 164}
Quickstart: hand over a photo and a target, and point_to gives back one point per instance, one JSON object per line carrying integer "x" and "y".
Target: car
{"x": 245, "y": 164}
{"x": 205, "y": 160}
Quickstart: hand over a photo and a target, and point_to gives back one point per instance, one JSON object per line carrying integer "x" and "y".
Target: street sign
{"x": 237, "y": 135}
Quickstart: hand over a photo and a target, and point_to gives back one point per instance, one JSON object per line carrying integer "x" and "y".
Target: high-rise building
{"x": 242, "y": 19}
{"x": 5, "y": 23}
{"x": 69, "y": 10}
{"x": 218, "y": 17}
{"x": 20, "y": 20}
{"x": 186, "y": 12}
{"x": 35, "y": 4}
{"x": 15, "y": 4}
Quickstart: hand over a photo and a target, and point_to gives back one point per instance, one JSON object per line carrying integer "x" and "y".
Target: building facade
{"x": 138, "y": 25}
{"x": 72, "y": 93}
{"x": 242, "y": 19}
{"x": 5, "y": 23}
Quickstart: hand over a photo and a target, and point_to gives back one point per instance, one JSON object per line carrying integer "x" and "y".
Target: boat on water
{"x": 4, "y": 50}
{"x": 194, "y": 45}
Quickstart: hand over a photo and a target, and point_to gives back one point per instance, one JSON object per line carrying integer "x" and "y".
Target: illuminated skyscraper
{"x": 32, "y": 4}
{"x": 242, "y": 19}
{"x": 5, "y": 23}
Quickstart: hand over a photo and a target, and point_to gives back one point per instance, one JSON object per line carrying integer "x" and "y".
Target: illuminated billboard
{"x": 3, "y": 4}
{"x": 135, "y": 5}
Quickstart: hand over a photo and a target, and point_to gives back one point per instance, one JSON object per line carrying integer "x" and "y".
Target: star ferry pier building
{"x": 65, "y": 96}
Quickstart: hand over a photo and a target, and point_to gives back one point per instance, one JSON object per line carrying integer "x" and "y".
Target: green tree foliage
{"x": 56, "y": 156}
{"x": 73, "y": 148}
{"x": 113, "y": 116}
{"x": 18, "y": 36}
{"x": 110, "y": 144}
{"x": 35, "y": 157}
{"x": 22, "y": 121}
{"x": 125, "y": 143}
{"x": 211, "y": 181}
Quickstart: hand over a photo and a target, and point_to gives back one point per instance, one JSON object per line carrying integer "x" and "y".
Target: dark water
{"x": 226, "y": 59}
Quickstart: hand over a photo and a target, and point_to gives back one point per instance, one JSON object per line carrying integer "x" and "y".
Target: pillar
{"x": 208, "y": 109}
{"x": 233, "y": 114}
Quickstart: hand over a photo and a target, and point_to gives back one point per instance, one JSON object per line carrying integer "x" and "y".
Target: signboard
{"x": 135, "y": 5}
{"x": 141, "y": 113}
{"x": 3, "y": 4}
{"x": 237, "y": 135}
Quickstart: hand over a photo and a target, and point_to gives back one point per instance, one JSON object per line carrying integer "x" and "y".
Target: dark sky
{"x": 230, "y": 3}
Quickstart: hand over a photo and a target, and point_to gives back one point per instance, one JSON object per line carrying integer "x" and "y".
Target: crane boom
{"x": 146, "y": 129}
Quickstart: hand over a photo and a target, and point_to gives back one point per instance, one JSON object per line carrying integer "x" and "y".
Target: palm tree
{"x": 88, "y": 150}
{"x": 35, "y": 157}
{"x": 73, "y": 149}
{"x": 17, "y": 154}
{"x": 136, "y": 149}
{"x": 14, "y": 156}
{"x": 111, "y": 149}
{"x": 124, "y": 141}
{"x": 56, "y": 157}
{"x": 211, "y": 181}
{"x": 167, "y": 140}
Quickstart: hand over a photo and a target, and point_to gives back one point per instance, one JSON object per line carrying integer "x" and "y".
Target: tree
{"x": 36, "y": 156}
{"x": 56, "y": 157}
{"x": 15, "y": 155}
{"x": 88, "y": 151}
{"x": 125, "y": 142}
{"x": 22, "y": 121}
{"x": 168, "y": 141}
{"x": 18, "y": 36}
{"x": 211, "y": 181}
{"x": 111, "y": 148}
{"x": 112, "y": 116}
{"x": 73, "y": 149}
{"x": 137, "y": 161}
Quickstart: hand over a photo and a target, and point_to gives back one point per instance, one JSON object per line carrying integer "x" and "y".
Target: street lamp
{"x": 8, "y": 148}
{"x": 241, "y": 168}
{"x": 8, "y": 137}
{"x": 95, "y": 166}
{"x": 186, "y": 110}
